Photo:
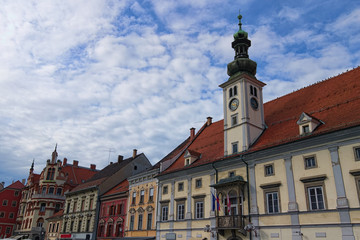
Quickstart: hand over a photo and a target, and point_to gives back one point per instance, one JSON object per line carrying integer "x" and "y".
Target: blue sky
{"x": 95, "y": 75}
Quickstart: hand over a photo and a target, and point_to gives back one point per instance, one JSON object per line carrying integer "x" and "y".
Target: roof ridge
{"x": 315, "y": 83}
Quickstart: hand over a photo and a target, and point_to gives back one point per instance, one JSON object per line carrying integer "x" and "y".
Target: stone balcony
{"x": 48, "y": 196}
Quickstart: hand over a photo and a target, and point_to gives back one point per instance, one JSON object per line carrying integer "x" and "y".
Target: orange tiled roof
{"x": 77, "y": 174}
{"x": 121, "y": 187}
{"x": 335, "y": 102}
{"x": 16, "y": 185}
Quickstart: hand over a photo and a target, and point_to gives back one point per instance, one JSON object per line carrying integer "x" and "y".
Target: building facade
{"x": 141, "y": 217}
{"x": 54, "y": 225}
{"x": 286, "y": 169}
{"x": 82, "y": 208}
{"x": 9, "y": 204}
{"x": 43, "y": 194}
{"x": 113, "y": 211}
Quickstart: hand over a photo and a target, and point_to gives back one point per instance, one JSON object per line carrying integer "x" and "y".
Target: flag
{"x": 218, "y": 202}
{"x": 228, "y": 203}
{"x": 213, "y": 201}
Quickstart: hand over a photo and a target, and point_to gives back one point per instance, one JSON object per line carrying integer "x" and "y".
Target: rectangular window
{"x": 75, "y": 206}
{"x": 132, "y": 219}
{"x": 164, "y": 213}
{"x": 316, "y": 198}
{"x": 165, "y": 189}
{"x": 140, "y": 222}
{"x": 57, "y": 227}
{"x": 198, "y": 183}
{"x": 234, "y": 147}
{"x": 181, "y": 211}
{"x": 72, "y": 226}
{"x": 310, "y": 162}
{"x": 53, "y": 228}
{"x": 8, "y": 229}
{"x": 91, "y": 203}
{"x": 16, "y": 193}
{"x": 11, "y": 215}
{"x": 187, "y": 161}
{"x": 58, "y": 191}
{"x": 43, "y": 191}
{"x": 5, "y": 202}
{"x": 269, "y": 170}
{"x": 79, "y": 226}
{"x": 133, "y": 201}
{"x": 305, "y": 129}
{"x": 234, "y": 120}
{"x": 199, "y": 210}
{"x": 180, "y": 186}
{"x": 149, "y": 221}
{"x": 272, "y": 202}
{"x": 57, "y": 207}
{"x": 142, "y": 195}
{"x": 232, "y": 174}
{"x": 82, "y": 204}
{"x": 151, "y": 195}
{"x": 42, "y": 207}
{"x": 88, "y": 225}
{"x": 119, "y": 209}
{"x": 357, "y": 153}
{"x": 13, "y": 203}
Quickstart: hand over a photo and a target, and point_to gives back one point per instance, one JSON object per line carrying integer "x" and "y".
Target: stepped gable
{"x": 121, "y": 187}
{"x": 335, "y": 102}
{"x": 209, "y": 142}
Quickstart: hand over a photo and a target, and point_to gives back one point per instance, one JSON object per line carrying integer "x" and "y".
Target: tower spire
{"x": 32, "y": 166}
{"x": 54, "y": 155}
{"x": 242, "y": 62}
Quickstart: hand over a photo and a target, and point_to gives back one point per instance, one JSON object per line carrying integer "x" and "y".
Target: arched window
{"x": 235, "y": 90}
{"x": 119, "y": 228}
{"x": 230, "y": 92}
{"x": 40, "y": 222}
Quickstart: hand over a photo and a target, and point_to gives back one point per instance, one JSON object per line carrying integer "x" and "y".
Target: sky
{"x": 100, "y": 78}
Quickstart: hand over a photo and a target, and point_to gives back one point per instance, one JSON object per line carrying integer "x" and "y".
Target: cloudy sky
{"x": 100, "y": 78}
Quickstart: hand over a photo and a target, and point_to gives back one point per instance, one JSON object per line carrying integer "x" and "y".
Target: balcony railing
{"x": 230, "y": 222}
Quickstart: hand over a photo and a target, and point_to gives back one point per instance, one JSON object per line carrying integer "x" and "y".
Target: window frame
{"x": 142, "y": 196}
{"x": 269, "y": 166}
{"x": 199, "y": 205}
{"x": 180, "y": 213}
{"x": 11, "y": 215}
{"x": 140, "y": 221}
{"x": 315, "y": 184}
{"x": 357, "y": 153}
{"x": 309, "y": 157}
{"x": 133, "y": 199}
{"x": 165, "y": 189}
{"x": 149, "y": 221}
{"x": 234, "y": 120}
{"x": 164, "y": 212}
{"x": 42, "y": 207}
{"x": 271, "y": 192}
{"x": 132, "y": 222}
{"x": 14, "y": 203}
{"x": 198, "y": 183}
{"x": 180, "y": 186}
{"x": 235, "y": 147}
{"x": 5, "y": 202}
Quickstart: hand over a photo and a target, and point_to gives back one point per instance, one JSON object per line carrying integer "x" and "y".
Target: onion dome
{"x": 242, "y": 62}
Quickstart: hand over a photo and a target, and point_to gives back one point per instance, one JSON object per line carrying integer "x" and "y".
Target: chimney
{"x": 65, "y": 161}
{"x": 23, "y": 181}
{"x": 75, "y": 163}
{"x": 209, "y": 121}
{"x": 192, "y": 133}
{"x": 92, "y": 166}
{"x": 134, "y": 153}
{"x": 120, "y": 158}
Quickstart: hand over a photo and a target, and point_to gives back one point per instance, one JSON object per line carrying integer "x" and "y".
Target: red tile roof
{"x": 16, "y": 185}
{"x": 121, "y": 187}
{"x": 77, "y": 174}
{"x": 335, "y": 102}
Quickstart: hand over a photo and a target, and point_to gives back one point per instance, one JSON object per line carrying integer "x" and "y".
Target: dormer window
{"x": 307, "y": 124}
{"x": 190, "y": 157}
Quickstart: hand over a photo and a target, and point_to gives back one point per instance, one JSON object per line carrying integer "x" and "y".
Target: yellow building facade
{"x": 141, "y": 216}
{"x": 286, "y": 169}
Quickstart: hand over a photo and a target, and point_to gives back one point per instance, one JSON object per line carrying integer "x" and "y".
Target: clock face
{"x": 234, "y": 103}
{"x": 254, "y": 103}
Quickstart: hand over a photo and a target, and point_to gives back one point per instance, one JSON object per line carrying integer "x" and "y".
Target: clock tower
{"x": 242, "y": 96}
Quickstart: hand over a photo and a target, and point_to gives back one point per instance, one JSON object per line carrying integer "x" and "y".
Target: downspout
{"x": 248, "y": 188}
{"x": 216, "y": 181}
